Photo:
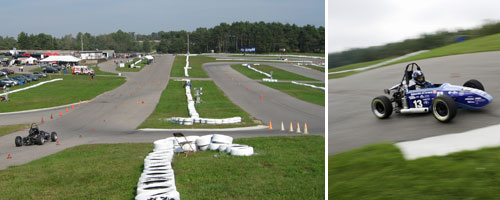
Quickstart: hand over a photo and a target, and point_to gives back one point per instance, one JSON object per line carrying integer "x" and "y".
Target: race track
{"x": 353, "y": 125}
{"x": 115, "y": 115}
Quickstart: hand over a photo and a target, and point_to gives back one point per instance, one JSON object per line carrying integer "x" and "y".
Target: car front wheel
{"x": 382, "y": 107}
{"x": 444, "y": 108}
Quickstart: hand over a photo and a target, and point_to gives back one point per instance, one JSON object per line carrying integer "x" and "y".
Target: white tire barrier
{"x": 203, "y": 148}
{"x": 308, "y": 85}
{"x": 173, "y": 195}
{"x": 204, "y": 140}
{"x": 229, "y": 147}
{"x": 242, "y": 151}
{"x": 258, "y": 71}
{"x": 269, "y": 80}
{"x": 224, "y": 139}
{"x": 214, "y": 146}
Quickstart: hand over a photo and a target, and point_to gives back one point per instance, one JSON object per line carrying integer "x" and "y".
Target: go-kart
{"x": 442, "y": 99}
{"x": 35, "y": 136}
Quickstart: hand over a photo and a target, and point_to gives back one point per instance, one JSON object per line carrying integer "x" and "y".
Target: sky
{"x": 61, "y": 17}
{"x": 364, "y": 23}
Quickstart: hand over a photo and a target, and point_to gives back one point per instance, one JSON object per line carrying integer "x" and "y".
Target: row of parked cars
{"x": 25, "y": 78}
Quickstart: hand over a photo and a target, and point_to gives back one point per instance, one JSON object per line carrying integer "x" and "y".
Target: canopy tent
{"x": 149, "y": 57}
{"x": 51, "y": 54}
{"x": 69, "y": 59}
{"x": 30, "y": 60}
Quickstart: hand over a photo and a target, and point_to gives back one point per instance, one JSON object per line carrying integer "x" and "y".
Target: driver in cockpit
{"x": 419, "y": 81}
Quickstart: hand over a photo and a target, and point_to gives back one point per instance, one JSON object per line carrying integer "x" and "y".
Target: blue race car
{"x": 442, "y": 99}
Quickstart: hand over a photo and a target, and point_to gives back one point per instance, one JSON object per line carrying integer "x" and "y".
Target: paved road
{"x": 275, "y": 106}
{"x": 352, "y": 124}
{"x": 123, "y": 115}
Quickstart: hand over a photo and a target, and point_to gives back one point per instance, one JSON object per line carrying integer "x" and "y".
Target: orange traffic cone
{"x": 22, "y": 128}
{"x": 60, "y": 114}
{"x": 248, "y": 89}
{"x": 92, "y": 129}
{"x": 42, "y": 121}
{"x": 291, "y": 127}
{"x": 57, "y": 143}
{"x": 72, "y": 106}
{"x": 270, "y": 125}
{"x": 104, "y": 121}
{"x": 51, "y": 116}
{"x": 282, "y": 126}
{"x": 137, "y": 102}
{"x": 124, "y": 102}
{"x": 305, "y": 128}
{"x": 298, "y": 127}
{"x": 67, "y": 110}
{"x": 261, "y": 96}
{"x": 9, "y": 157}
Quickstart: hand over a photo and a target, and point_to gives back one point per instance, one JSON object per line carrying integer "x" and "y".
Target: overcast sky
{"x": 364, "y": 23}
{"x": 60, "y": 17}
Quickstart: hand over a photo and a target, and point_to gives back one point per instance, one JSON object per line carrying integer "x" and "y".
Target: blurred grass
{"x": 380, "y": 172}
{"x": 8, "y": 129}
{"x": 277, "y": 73}
{"x": 301, "y": 92}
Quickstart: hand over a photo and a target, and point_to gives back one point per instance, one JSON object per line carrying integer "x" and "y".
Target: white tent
{"x": 61, "y": 59}
{"x": 30, "y": 60}
{"x": 149, "y": 57}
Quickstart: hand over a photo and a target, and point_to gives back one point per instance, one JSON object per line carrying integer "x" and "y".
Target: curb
{"x": 221, "y": 129}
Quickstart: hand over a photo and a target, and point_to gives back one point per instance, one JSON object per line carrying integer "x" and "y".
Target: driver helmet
{"x": 418, "y": 77}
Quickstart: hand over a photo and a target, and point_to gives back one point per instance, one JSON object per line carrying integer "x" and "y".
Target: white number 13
{"x": 418, "y": 103}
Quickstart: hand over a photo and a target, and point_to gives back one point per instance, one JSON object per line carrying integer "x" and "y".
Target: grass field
{"x": 482, "y": 44}
{"x": 380, "y": 172}
{"x": 215, "y": 104}
{"x": 70, "y": 90}
{"x": 298, "y": 54}
{"x": 283, "y": 168}
{"x": 142, "y": 64}
{"x": 352, "y": 66}
{"x": 195, "y": 62}
{"x": 277, "y": 73}
{"x": 321, "y": 69}
{"x": 8, "y": 129}
{"x": 301, "y": 92}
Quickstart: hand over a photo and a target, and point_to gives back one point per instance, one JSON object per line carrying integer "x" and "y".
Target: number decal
{"x": 418, "y": 103}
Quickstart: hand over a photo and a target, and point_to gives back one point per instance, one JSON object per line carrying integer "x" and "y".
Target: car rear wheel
{"x": 444, "y": 108}
{"x": 473, "y": 83}
{"x": 19, "y": 141}
{"x": 53, "y": 136}
{"x": 381, "y": 107}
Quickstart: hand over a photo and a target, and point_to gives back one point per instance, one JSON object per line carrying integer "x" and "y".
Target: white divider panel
{"x": 308, "y": 85}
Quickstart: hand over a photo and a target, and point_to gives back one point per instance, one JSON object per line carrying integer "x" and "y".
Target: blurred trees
{"x": 424, "y": 42}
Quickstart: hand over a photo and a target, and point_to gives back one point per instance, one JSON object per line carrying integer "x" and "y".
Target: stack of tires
{"x": 223, "y": 143}
{"x": 157, "y": 180}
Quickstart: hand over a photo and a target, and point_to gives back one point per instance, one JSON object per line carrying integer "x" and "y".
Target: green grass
{"x": 380, "y": 172}
{"x": 8, "y": 129}
{"x": 352, "y": 66}
{"x": 70, "y": 90}
{"x": 195, "y": 62}
{"x": 112, "y": 174}
{"x": 142, "y": 64}
{"x": 279, "y": 53}
{"x": 215, "y": 104}
{"x": 482, "y": 44}
{"x": 321, "y": 69}
{"x": 301, "y": 92}
{"x": 282, "y": 168}
{"x": 277, "y": 73}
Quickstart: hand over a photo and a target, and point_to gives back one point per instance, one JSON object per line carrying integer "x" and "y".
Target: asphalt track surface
{"x": 353, "y": 125}
{"x": 113, "y": 117}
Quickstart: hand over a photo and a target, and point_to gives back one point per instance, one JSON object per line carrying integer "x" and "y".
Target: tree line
{"x": 223, "y": 38}
{"x": 424, "y": 42}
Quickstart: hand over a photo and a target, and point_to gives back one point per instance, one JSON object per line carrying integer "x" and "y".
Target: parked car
{"x": 9, "y": 71}
{"x": 11, "y": 81}
{"x": 2, "y": 73}
{"x": 31, "y": 76}
{"x": 49, "y": 70}
{"x": 5, "y": 83}
{"x": 40, "y": 74}
{"x": 58, "y": 67}
{"x": 22, "y": 78}
{"x": 82, "y": 70}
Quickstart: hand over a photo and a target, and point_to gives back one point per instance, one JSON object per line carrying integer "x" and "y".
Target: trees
{"x": 229, "y": 38}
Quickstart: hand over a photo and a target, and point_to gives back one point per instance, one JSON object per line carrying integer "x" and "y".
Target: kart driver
{"x": 419, "y": 81}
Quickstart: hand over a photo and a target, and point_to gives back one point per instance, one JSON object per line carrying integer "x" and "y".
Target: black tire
{"x": 19, "y": 141}
{"x": 40, "y": 140}
{"x": 444, "y": 108}
{"x": 381, "y": 107}
{"x": 53, "y": 136}
{"x": 473, "y": 83}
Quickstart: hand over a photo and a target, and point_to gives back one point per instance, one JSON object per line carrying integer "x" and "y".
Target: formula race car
{"x": 36, "y": 136}
{"x": 442, "y": 99}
